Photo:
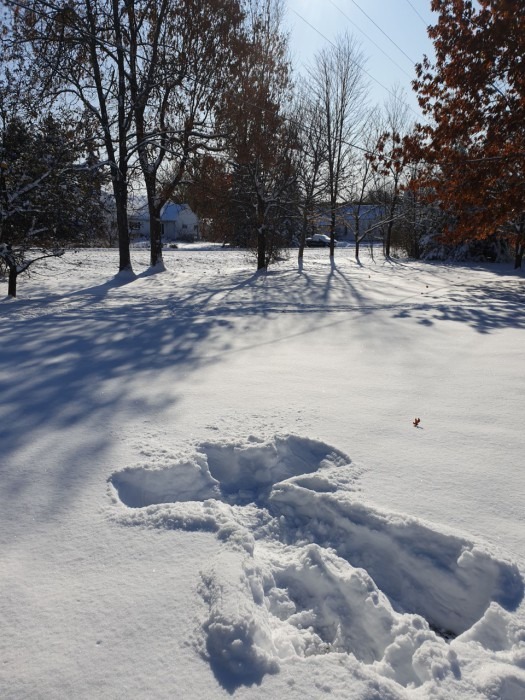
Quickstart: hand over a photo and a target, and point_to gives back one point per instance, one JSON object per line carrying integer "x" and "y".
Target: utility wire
{"x": 392, "y": 94}
{"x": 335, "y": 47}
{"x": 383, "y": 32}
{"x": 370, "y": 39}
{"x": 417, "y": 13}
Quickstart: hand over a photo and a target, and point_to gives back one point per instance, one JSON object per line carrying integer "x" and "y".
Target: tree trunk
{"x": 117, "y": 154}
{"x": 155, "y": 231}
{"x": 11, "y": 285}
{"x": 302, "y": 239}
{"x": 155, "y": 236}
{"x": 120, "y": 181}
{"x": 388, "y": 240}
{"x": 388, "y": 237}
{"x": 332, "y": 230}
{"x": 417, "y": 252}
{"x": 121, "y": 204}
{"x": 261, "y": 249}
{"x": 357, "y": 231}
{"x": 262, "y": 258}
{"x": 155, "y": 226}
{"x": 518, "y": 257}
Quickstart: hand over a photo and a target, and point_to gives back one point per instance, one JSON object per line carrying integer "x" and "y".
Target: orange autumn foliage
{"x": 472, "y": 151}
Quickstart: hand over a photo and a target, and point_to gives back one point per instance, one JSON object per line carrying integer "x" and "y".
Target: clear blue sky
{"x": 396, "y": 19}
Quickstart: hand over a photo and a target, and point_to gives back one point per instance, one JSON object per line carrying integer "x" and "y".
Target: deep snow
{"x": 211, "y": 483}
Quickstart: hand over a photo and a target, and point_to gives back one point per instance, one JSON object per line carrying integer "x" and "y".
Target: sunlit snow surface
{"x": 311, "y": 569}
{"x": 211, "y": 484}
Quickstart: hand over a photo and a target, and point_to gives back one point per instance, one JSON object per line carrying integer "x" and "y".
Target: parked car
{"x": 318, "y": 240}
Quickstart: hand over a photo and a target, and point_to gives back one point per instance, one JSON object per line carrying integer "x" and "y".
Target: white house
{"x": 179, "y": 223}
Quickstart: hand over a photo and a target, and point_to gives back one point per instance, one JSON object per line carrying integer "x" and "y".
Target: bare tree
{"x": 181, "y": 57}
{"x": 389, "y": 158}
{"x": 338, "y": 86}
{"x": 363, "y": 181}
{"x": 77, "y": 53}
{"x": 310, "y": 157}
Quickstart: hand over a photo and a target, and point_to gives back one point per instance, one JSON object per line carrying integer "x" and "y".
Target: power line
{"x": 335, "y": 47}
{"x": 417, "y": 13}
{"x": 392, "y": 94}
{"x": 383, "y": 32}
{"x": 370, "y": 39}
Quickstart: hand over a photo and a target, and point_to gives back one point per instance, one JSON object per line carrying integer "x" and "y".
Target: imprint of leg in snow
{"x": 238, "y": 638}
{"x": 305, "y": 602}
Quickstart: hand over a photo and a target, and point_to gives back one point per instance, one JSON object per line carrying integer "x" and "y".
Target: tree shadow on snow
{"x": 81, "y": 358}
{"x": 77, "y": 365}
{"x": 483, "y": 307}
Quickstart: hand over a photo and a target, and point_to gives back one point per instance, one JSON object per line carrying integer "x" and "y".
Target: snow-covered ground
{"x": 211, "y": 483}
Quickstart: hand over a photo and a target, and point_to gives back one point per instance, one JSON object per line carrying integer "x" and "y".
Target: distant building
{"x": 369, "y": 218}
{"x": 179, "y": 223}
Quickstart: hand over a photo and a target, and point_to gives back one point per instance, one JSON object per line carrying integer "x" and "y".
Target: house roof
{"x": 170, "y": 211}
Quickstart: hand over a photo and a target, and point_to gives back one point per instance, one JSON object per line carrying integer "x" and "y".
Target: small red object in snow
{"x": 416, "y": 422}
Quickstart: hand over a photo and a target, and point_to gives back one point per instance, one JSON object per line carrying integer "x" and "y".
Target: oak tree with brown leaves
{"x": 473, "y": 93}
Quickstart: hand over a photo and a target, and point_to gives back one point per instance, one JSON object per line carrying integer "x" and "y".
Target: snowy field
{"x": 211, "y": 485}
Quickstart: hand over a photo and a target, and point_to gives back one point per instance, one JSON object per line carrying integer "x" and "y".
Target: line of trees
{"x": 196, "y": 99}
{"x": 458, "y": 178}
